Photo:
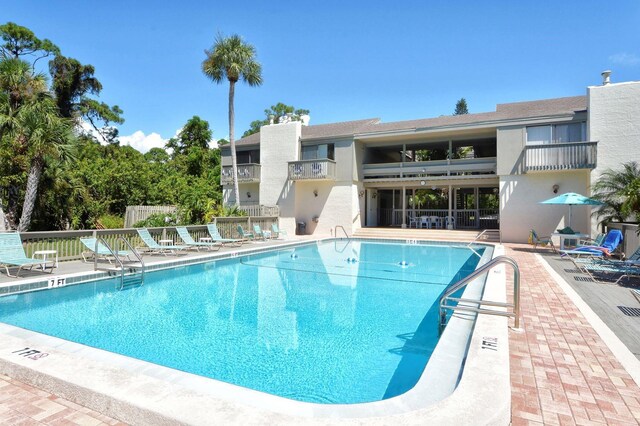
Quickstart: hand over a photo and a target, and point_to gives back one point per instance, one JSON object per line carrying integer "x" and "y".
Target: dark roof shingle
{"x": 509, "y": 111}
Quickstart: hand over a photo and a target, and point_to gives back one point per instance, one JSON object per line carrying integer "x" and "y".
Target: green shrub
{"x": 111, "y": 221}
{"x": 158, "y": 220}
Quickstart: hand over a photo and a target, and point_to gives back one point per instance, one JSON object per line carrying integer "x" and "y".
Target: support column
{"x": 450, "y": 201}
{"x": 404, "y": 207}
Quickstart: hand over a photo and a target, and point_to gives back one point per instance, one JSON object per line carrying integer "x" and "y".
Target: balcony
{"x": 561, "y": 156}
{"x": 247, "y": 173}
{"x": 323, "y": 169}
{"x": 419, "y": 169}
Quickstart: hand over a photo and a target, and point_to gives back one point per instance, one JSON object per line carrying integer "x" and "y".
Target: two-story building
{"x": 475, "y": 171}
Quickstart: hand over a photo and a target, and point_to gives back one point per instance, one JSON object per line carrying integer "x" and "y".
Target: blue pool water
{"x": 332, "y": 322}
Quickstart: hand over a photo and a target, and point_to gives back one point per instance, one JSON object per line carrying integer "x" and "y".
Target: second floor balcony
{"x": 247, "y": 173}
{"x": 321, "y": 169}
{"x": 418, "y": 169}
{"x": 561, "y": 156}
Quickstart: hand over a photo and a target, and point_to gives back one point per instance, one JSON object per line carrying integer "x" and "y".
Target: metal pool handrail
{"x": 335, "y": 231}
{"x": 446, "y": 296}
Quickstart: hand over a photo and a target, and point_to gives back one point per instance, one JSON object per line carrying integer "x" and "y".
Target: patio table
{"x": 564, "y": 237}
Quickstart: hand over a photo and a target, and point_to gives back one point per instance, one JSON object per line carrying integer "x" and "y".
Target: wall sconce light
{"x": 248, "y": 194}
{"x": 315, "y": 192}
{"x": 555, "y": 188}
{"x": 423, "y": 183}
{"x": 361, "y": 194}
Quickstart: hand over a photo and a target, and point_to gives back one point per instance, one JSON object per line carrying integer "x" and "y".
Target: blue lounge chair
{"x": 257, "y": 232}
{"x": 12, "y": 254}
{"x": 597, "y": 268}
{"x": 153, "y": 246}
{"x": 216, "y": 237}
{"x": 277, "y": 231}
{"x": 189, "y": 241}
{"x": 245, "y": 235}
{"x": 99, "y": 250}
{"x": 611, "y": 242}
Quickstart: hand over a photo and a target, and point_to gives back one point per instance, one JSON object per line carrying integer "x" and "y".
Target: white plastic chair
{"x": 450, "y": 221}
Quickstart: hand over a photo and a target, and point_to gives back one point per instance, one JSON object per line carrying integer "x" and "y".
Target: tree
{"x": 233, "y": 59}
{"x": 619, "y": 190}
{"x": 21, "y": 41}
{"x": 32, "y": 128}
{"x": 278, "y": 110}
{"x": 71, "y": 83}
{"x": 19, "y": 86}
{"x": 48, "y": 136}
{"x": 461, "y": 107}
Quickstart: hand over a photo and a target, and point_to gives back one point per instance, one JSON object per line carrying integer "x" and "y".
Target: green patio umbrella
{"x": 572, "y": 199}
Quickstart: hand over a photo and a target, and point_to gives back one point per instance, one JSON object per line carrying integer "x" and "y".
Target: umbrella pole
{"x": 570, "y": 206}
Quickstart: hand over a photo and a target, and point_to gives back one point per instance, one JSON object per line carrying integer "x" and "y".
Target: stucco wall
{"x": 251, "y": 188}
{"x": 614, "y": 121}
{"x": 333, "y": 205}
{"x": 510, "y": 150}
{"x": 279, "y": 144}
{"x": 520, "y": 210}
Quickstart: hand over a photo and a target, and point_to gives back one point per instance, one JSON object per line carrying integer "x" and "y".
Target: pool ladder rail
{"x": 473, "y": 305}
{"x": 130, "y": 281}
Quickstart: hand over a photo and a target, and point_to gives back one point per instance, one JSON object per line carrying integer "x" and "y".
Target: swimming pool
{"x": 332, "y": 322}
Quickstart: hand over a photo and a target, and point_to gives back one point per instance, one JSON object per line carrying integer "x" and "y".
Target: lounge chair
{"x": 609, "y": 245}
{"x": 99, "y": 250}
{"x": 597, "y": 268}
{"x": 245, "y": 235}
{"x": 636, "y": 293}
{"x": 276, "y": 232}
{"x": 536, "y": 241}
{"x": 591, "y": 242}
{"x": 257, "y": 233}
{"x": 12, "y": 254}
{"x": 189, "y": 241}
{"x": 216, "y": 237}
{"x": 154, "y": 247}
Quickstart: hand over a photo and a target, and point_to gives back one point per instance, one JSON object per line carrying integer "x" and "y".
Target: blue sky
{"x": 343, "y": 60}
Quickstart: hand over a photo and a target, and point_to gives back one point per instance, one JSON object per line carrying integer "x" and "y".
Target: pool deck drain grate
{"x": 630, "y": 312}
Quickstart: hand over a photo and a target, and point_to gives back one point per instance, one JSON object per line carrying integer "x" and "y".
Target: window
{"x": 318, "y": 152}
{"x": 557, "y": 133}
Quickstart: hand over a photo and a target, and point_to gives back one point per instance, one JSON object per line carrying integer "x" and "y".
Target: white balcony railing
{"x": 247, "y": 173}
{"x": 561, "y": 156}
{"x": 417, "y": 169}
{"x": 323, "y": 169}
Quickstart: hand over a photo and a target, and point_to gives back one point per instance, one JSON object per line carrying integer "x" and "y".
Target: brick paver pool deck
{"x": 561, "y": 370}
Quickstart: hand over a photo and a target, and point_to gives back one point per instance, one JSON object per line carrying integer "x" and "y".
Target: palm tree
{"x": 18, "y": 85}
{"x": 47, "y": 135}
{"x": 619, "y": 190}
{"x": 32, "y": 128}
{"x": 233, "y": 59}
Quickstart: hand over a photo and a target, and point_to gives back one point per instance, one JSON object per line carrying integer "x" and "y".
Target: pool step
{"x": 132, "y": 281}
{"x": 490, "y": 236}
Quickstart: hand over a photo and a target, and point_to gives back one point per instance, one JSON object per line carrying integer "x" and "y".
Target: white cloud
{"x": 625, "y": 58}
{"x": 142, "y": 142}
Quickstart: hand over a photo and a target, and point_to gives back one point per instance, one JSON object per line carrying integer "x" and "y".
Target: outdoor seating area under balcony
{"x": 319, "y": 169}
{"x": 432, "y": 159}
{"x": 561, "y": 156}
{"x": 247, "y": 173}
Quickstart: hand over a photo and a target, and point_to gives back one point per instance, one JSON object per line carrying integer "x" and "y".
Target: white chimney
{"x": 271, "y": 117}
{"x": 305, "y": 119}
{"x": 605, "y": 77}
